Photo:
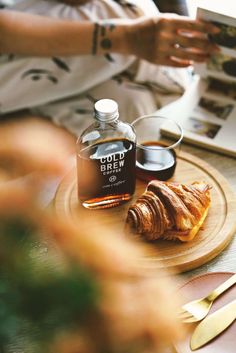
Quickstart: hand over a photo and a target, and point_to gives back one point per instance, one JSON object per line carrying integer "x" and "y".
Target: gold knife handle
{"x": 213, "y": 325}
{"x": 222, "y": 288}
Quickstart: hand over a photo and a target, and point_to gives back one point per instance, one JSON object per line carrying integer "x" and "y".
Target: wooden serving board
{"x": 217, "y": 231}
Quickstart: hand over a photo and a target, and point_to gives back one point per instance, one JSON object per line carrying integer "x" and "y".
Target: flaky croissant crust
{"x": 170, "y": 210}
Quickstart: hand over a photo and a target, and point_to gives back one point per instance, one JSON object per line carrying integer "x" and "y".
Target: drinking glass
{"x": 158, "y": 142}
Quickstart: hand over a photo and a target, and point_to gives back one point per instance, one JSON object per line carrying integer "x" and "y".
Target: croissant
{"x": 169, "y": 211}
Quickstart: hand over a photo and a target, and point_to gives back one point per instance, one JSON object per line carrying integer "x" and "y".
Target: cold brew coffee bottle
{"x": 106, "y": 155}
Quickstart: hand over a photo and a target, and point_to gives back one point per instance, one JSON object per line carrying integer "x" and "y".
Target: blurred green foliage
{"x": 41, "y": 294}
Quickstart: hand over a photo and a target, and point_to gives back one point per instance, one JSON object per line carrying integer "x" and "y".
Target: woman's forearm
{"x": 35, "y": 35}
{"x": 175, "y": 41}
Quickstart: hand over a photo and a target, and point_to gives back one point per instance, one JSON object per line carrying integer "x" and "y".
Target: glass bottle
{"x": 106, "y": 156}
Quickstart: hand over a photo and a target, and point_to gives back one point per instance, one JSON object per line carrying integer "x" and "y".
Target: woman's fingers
{"x": 184, "y": 40}
{"x": 173, "y": 41}
{"x": 202, "y": 44}
{"x": 176, "y": 24}
{"x": 174, "y": 62}
{"x": 189, "y": 55}
{"x": 166, "y": 41}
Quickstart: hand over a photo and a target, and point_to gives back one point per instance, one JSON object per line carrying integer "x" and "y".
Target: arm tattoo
{"x": 101, "y": 36}
{"x": 106, "y": 43}
{"x": 95, "y": 38}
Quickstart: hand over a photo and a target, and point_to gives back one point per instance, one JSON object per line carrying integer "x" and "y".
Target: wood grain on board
{"x": 217, "y": 231}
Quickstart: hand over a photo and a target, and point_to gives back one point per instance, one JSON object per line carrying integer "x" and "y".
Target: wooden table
{"x": 226, "y": 261}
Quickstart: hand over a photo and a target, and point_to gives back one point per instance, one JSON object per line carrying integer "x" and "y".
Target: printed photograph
{"x": 226, "y": 37}
{"x": 222, "y": 63}
{"x": 224, "y": 88}
{"x": 218, "y": 109}
{"x": 200, "y": 127}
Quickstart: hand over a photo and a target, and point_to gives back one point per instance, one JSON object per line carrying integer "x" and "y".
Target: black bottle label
{"x": 107, "y": 170}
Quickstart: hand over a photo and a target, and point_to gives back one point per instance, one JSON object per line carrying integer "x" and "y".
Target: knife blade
{"x": 213, "y": 325}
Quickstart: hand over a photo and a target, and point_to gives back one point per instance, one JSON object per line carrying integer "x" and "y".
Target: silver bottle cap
{"x": 106, "y": 110}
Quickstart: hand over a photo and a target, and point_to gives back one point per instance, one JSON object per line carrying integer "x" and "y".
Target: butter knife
{"x": 213, "y": 325}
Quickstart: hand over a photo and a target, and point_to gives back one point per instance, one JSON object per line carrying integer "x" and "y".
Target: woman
{"x": 61, "y": 56}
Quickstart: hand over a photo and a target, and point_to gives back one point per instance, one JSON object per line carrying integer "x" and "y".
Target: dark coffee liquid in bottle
{"x": 106, "y": 156}
{"x": 156, "y": 162}
{"x": 111, "y": 165}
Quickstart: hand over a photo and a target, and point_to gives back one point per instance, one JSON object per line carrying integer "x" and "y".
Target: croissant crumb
{"x": 170, "y": 211}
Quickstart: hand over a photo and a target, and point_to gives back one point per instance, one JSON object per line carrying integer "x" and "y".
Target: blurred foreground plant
{"x": 42, "y": 292}
{"x": 73, "y": 288}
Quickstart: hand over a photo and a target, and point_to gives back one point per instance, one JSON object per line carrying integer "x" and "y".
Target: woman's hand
{"x": 171, "y": 40}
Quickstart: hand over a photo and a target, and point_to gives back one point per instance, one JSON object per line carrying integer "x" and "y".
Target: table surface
{"x": 226, "y": 261}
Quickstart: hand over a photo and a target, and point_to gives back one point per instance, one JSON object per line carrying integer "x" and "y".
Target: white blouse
{"x": 65, "y": 88}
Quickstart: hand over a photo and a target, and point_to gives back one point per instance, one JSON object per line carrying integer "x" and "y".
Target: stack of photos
{"x": 218, "y": 100}
{"x": 223, "y": 64}
{"x": 207, "y": 110}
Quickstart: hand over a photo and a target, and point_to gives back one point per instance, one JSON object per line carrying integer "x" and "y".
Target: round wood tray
{"x": 217, "y": 231}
